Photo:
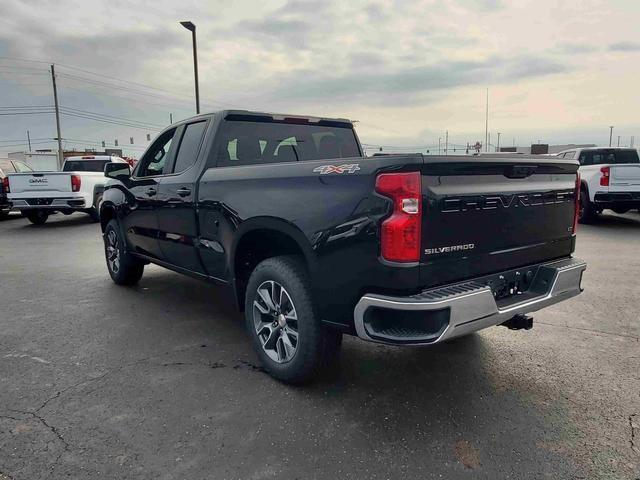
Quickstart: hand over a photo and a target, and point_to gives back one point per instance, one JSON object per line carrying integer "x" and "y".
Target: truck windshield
{"x": 246, "y": 142}
{"x": 84, "y": 165}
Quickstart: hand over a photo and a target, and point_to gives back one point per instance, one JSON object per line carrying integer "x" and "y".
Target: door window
{"x": 189, "y": 146}
{"x": 154, "y": 161}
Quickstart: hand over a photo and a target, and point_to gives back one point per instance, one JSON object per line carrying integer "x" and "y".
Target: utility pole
{"x": 29, "y": 141}
{"x": 618, "y": 140}
{"x": 498, "y": 147}
{"x": 610, "y": 134}
{"x": 439, "y": 142}
{"x": 486, "y": 125}
{"x": 55, "y": 100}
{"x": 446, "y": 144}
{"x": 171, "y": 119}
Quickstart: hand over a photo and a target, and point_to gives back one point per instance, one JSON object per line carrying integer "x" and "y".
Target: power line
{"x": 104, "y": 120}
{"x": 113, "y": 117}
{"x": 26, "y": 113}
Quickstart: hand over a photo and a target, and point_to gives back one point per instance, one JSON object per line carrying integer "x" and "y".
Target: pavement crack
{"x": 633, "y": 427}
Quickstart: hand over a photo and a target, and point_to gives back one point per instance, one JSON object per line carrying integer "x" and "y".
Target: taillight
{"x": 576, "y": 211}
{"x": 400, "y": 233}
{"x": 75, "y": 183}
{"x": 5, "y": 185}
{"x": 604, "y": 179}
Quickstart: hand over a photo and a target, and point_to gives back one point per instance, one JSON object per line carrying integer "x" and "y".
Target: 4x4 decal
{"x": 346, "y": 168}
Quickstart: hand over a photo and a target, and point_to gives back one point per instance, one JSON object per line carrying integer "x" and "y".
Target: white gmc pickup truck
{"x": 77, "y": 188}
{"x": 610, "y": 178}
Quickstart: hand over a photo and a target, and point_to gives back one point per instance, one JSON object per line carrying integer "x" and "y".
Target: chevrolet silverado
{"x": 315, "y": 240}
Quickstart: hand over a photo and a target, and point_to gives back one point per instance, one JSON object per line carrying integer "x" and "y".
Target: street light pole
{"x": 610, "y": 134}
{"x": 192, "y": 28}
{"x": 498, "y": 147}
{"x": 446, "y": 145}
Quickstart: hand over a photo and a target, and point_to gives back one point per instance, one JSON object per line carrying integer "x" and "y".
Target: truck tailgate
{"x": 489, "y": 214}
{"x": 50, "y": 182}
{"x": 624, "y": 177}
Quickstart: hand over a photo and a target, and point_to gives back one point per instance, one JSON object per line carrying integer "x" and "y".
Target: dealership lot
{"x": 159, "y": 381}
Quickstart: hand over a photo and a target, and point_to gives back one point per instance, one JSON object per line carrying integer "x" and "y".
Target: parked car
{"x": 314, "y": 240}
{"x": 8, "y": 166}
{"x": 77, "y": 188}
{"x": 610, "y": 179}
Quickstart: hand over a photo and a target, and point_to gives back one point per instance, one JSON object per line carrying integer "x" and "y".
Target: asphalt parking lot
{"x": 159, "y": 381}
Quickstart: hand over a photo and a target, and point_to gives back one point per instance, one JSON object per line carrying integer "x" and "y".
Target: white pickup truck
{"x": 77, "y": 188}
{"x": 610, "y": 179}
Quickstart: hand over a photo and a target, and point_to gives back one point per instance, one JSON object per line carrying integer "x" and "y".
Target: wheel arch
{"x": 261, "y": 238}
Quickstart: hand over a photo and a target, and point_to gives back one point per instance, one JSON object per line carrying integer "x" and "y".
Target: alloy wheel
{"x": 113, "y": 254}
{"x": 275, "y": 321}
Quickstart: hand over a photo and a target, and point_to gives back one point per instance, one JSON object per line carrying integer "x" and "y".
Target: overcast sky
{"x": 557, "y": 71}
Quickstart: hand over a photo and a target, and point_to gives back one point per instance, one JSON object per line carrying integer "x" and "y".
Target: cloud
{"x": 576, "y": 48}
{"x": 409, "y": 84}
{"x": 625, "y": 47}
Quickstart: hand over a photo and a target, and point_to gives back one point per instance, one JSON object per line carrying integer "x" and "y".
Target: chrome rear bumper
{"x": 48, "y": 203}
{"x": 443, "y": 313}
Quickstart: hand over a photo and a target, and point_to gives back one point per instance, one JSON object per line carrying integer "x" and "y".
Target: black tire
{"x": 4, "y": 215}
{"x": 94, "y": 213}
{"x": 124, "y": 268}
{"x": 587, "y": 212}
{"x": 37, "y": 217}
{"x": 315, "y": 346}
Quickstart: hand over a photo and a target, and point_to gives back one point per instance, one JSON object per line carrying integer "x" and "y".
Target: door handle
{"x": 151, "y": 192}
{"x": 184, "y": 191}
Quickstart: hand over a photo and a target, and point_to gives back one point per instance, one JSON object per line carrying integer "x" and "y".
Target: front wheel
{"x": 282, "y": 322}
{"x": 38, "y": 217}
{"x": 123, "y": 267}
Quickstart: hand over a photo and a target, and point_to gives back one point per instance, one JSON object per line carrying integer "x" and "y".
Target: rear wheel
{"x": 94, "y": 213}
{"x": 37, "y": 217}
{"x": 123, "y": 267}
{"x": 282, "y": 322}
{"x": 587, "y": 212}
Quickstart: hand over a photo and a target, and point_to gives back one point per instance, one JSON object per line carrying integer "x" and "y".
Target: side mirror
{"x": 118, "y": 171}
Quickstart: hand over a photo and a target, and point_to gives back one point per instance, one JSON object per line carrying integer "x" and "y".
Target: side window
{"x": 569, "y": 155}
{"x": 189, "y": 146}
{"x": 586, "y": 158}
{"x": 153, "y": 162}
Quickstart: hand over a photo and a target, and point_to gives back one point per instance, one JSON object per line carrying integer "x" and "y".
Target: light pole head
{"x": 189, "y": 26}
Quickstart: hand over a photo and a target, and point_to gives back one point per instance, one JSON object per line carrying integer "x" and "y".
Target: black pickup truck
{"x": 314, "y": 239}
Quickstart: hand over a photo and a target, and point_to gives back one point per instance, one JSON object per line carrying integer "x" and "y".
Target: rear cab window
{"x": 246, "y": 142}
{"x": 22, "y": 167}
{"x": 84, "y": 165}
{"x": 608, "y": 156}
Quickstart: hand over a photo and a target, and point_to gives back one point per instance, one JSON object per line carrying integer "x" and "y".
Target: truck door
{"x": 140, "y": 221}
{"x": 177, "y": 217}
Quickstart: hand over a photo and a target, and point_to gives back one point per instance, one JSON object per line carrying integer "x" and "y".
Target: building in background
{"x": 543, "y": 148}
